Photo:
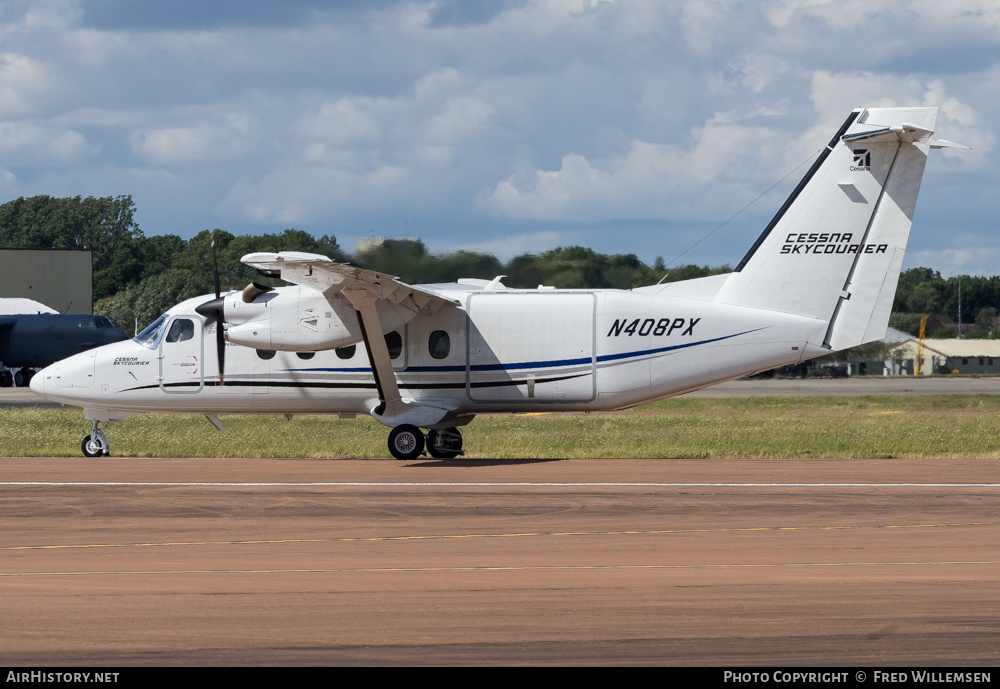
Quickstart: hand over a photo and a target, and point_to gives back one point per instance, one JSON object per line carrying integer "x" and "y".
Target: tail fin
{"x": 834, "y": 250}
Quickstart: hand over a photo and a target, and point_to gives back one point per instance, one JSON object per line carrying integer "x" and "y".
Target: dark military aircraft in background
{"x": 35, "y": 340}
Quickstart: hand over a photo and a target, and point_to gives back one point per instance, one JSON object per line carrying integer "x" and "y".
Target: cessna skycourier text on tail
{"x": 344, "y": 340}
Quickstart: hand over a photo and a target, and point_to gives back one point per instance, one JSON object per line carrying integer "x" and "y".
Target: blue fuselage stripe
{"x": 556, "y": 363}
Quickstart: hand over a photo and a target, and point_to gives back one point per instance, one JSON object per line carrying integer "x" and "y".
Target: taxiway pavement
{"x": 117, "y": 562}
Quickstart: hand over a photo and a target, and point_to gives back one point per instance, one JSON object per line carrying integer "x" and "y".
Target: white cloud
{"x": 462, "y": 117}
{"x": 22, "y": 81}
{"x": 565, "y": 110}
{"x": 344, "y": 121}
{"x": 37, "y": 144}
{"x": 976, "y": 258}
{"x": 648, "y": 181}
{"x": 227, "y": 140}
{"x": 848, "y": 15}
{"x": 8, "y": 181}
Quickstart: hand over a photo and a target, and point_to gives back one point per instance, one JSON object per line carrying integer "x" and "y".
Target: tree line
{"x": 136, "y": 278}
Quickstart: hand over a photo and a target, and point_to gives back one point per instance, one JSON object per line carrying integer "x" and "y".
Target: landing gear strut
{"x": 445, "y": 443}
{"x": 96, "y": 444}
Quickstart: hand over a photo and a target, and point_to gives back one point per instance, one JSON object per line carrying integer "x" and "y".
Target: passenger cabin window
{"x": 180, "y": 330}
{"x": 439, "y": 344}
{"x": 394, "y": 342}
{"x": 346, "y": 352}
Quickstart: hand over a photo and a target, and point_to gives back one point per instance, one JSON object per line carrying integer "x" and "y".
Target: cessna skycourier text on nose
{"x": 821, "y": 277}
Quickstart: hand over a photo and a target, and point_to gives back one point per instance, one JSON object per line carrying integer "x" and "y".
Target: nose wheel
{"x": 96, "y": 444}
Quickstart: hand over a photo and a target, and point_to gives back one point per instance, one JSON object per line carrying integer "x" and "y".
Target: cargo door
{"x": 532, "y": 346}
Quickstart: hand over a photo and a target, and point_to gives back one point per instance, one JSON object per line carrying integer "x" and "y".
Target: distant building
{"x": 947, "y": 356}
{"x": 936, "y": 321}
{"x": 60, "y": 278}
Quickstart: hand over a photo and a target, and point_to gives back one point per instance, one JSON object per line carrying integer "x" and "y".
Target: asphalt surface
{"x": 119, "y": 562}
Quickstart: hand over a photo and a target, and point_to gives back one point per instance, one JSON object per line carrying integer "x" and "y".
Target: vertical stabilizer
{"x": 834, "y": 249}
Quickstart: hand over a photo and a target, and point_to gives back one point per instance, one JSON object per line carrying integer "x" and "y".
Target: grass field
{"x": 941, "y": 426}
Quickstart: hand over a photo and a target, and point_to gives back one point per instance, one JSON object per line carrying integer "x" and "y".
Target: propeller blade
{"x": 220, "y": 349}
{"x": 213, "y": 311}
{"x": 215, "y": 269}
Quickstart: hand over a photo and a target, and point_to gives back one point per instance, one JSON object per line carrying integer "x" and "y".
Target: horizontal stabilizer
{"x": 944, "y": 143}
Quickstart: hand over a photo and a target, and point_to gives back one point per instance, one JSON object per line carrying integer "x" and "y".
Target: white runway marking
{"x": 481, "y": 484}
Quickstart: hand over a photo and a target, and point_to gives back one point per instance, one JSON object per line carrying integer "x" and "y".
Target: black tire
{"x": 6, "y": 379}
{"x": 406, "y": 442}
{"x": 450, "y": 450}
{"x": 21, "y": 377}
{"x": 92, "y": 450}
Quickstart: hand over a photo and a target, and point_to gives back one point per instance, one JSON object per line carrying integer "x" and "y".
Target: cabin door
{"x": 182, "y": 356}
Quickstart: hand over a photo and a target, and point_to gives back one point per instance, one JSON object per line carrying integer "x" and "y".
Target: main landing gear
{"x": 408, "y": 442}
{"x": 23, "y": 376}
{"x": 96, "y": 444}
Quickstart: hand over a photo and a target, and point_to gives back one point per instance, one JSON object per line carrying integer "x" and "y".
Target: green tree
{"x": 105, "y": 225}
{"x": 924, "y": 298}
{"x": 144, "y": 302}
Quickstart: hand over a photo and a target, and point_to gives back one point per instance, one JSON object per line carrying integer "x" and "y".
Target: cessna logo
{"x": 862, "y": 159}
{"x": 651, "y": 326}
{"x": 828, "y": 243}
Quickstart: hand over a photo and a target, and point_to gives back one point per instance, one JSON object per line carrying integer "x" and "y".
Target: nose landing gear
{"x": 96, "y": 444}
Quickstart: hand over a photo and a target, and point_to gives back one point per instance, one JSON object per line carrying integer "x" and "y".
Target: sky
{"x": 505, "y": 126}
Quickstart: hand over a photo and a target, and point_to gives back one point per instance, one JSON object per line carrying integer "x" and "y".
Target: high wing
{"x": 330, "y": 277}
{"x": 381, "y": 303}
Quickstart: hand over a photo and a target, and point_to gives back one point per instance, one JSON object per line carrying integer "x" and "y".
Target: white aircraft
{"x": 821, "y": 277}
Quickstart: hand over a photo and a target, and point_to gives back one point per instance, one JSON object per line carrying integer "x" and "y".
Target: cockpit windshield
{"x": 150, "y": 337}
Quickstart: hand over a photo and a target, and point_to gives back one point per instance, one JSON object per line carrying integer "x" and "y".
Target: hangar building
{"x": 62, "y": 279}
{"x": 947, "y": 356}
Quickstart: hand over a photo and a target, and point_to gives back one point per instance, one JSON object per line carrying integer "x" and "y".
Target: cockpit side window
{"x": 180, "y": 330}
{"x": 150, "y": 337}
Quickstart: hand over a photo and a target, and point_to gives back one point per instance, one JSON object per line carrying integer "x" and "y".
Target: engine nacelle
{"x": 297, "y": 319}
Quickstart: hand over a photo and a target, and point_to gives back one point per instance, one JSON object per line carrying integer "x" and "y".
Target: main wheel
{"x": 22, "y": 376}
{"x": 95, "y": 448}
{"x": 444, "y": 444}
{"x": 6, "y": 378}
{"x": 406, "y": 442}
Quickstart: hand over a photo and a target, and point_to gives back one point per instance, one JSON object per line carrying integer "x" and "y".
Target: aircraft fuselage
{"x": 495, "y": 351}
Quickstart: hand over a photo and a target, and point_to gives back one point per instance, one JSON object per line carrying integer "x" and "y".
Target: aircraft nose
{"x": 37, "y": 383}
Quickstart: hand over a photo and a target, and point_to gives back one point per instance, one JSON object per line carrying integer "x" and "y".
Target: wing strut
{"x": 391, "y": 410}
{"x": 378, "y": 353}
